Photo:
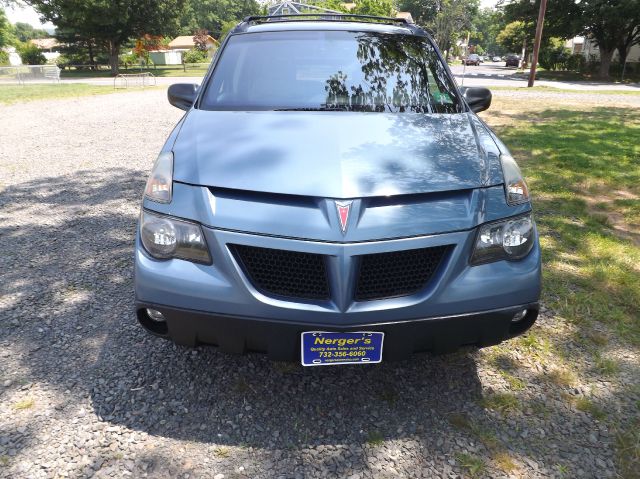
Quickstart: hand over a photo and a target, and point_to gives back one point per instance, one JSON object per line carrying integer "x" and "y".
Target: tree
{"x": 380, "y": 8}
{"x": 6, "y": 30}
{"x": 631, "y": 38}
{"x": 31, "y": 54}
{"x": 212, "y": 15}
{"x": 452, "y": 21}
{"x": 25, "y": 32}
{"x": 515, "y": 36}
{"x": 112, "y": 23}
{"x": 423, "y": 11}
{"x": 612, "y": 24}
{"x": 200, "y": 39}
{"x": 486, "y": 26}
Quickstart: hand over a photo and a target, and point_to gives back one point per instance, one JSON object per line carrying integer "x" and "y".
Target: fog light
{"x": 519, "y": 316}
{"x": 155, "y": 315}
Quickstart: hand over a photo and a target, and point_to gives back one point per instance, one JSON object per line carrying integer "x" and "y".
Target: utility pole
{"x": 536, "y": 46}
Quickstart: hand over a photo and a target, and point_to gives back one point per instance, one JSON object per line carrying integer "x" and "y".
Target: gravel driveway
{"x": 84, "y": 391}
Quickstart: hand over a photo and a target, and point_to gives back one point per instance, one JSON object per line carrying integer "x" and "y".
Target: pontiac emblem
{"x": 343, "y": 208}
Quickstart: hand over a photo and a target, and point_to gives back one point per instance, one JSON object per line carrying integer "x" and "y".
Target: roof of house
{"x": 406, "y": 15}
{"x": 186, "y": 41}
{"x": 45, "y": 43}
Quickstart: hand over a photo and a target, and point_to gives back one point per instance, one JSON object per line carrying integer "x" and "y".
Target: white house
{"x": 587, "y": 47}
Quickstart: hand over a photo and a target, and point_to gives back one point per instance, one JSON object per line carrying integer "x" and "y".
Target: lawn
{"x": 193, "y": 70}
{"x": 582, "y": 164}
{"x": 21, "y": 93}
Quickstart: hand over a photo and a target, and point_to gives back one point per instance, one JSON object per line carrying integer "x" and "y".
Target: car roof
{"x": 336, "y": 22}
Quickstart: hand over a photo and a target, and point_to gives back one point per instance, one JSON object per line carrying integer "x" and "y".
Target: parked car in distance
{"x": 496, "y": 59}
{"x": 472, "y": 59}
{"x": 305, "y": 209}
{"x": 512, "y": 61}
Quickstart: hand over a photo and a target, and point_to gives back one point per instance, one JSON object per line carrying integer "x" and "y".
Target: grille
{"x": 284, "y": 273}
{"x": 399, "y": 273}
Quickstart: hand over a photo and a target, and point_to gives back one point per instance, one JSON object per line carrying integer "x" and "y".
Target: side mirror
{"x": 478, "y": 98}
{"x": 182, "y": 95}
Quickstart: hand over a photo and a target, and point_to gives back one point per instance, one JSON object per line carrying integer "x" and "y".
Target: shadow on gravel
{"x": 68, "y": 314}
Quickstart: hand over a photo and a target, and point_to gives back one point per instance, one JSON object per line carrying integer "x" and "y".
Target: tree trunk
{"x": 605, "y": 62}
{"x": 91, "y": 59}
{"x": 623, "y": 52}
{"x": 114, "y": 50}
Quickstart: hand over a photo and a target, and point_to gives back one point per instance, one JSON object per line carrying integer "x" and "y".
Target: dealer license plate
{"x": 321, "y": 348}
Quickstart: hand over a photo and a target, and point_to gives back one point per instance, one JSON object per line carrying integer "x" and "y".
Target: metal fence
{"x": 126, "y": 80}
{"x": 29, "y": 73}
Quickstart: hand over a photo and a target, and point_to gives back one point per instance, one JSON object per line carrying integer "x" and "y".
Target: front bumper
{"x": 281, "y": 340}
{"x": 217, "y": 304}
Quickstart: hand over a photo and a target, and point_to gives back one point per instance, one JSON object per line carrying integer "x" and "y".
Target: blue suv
{"x": 330, "y": 196}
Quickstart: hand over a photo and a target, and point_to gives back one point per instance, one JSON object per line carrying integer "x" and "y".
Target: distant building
{"x": 166, "y": 57}
{"x": 185, "y": 42}
{"x": 587, "y": 47}
{"x": 49, "y": 47}
{"x": 406, "y": 15}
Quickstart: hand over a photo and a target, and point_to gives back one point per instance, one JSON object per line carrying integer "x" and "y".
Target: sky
{"x": 26, "y": 14}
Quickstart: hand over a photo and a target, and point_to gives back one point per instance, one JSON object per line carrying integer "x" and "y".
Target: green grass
{"x": 24, "y": 404}
{"x": 502, "y": 402}
{"x": 569, "y": 157}
{"x": 550, "y": 89}
{"x": 22, "y": 93}
{"x": 567, "y": 75}
{"x": 375, "y": 438}
{"x": 162, "y": 71}
{"x": 474, "y": 466}
{"x": 587, "y": 405}
{"x": 628, "y": 449}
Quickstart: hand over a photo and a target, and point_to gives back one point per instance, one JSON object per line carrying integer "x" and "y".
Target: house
{"x": 165, "y": 57}
{"x": 49, "y": 47}
{"x": 185, "y": 42}
{"x": 587, "y": 47}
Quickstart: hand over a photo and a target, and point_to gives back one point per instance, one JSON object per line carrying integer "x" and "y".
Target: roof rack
{"x": 327, "y": 17}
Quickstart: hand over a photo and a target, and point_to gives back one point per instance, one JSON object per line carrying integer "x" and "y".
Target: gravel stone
{"x": 99, "y": 397}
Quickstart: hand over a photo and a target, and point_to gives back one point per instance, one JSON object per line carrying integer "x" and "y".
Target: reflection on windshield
{"x": 331, "y": 70}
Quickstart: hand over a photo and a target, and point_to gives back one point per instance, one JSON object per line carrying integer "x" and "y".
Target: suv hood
{"x": 335, "y": 154}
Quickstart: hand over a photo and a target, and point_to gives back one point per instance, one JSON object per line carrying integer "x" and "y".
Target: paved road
{"x": 487, "y": 74}
{"x": 496, "y": 74}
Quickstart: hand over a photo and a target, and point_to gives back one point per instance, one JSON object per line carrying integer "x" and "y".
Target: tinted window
{"x": 330, "y": 70}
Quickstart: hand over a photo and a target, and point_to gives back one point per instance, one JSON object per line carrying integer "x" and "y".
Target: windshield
{"x": 330, "y": 70}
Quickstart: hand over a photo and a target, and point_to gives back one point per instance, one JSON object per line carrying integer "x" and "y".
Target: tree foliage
{"x": 110, "y": 24}
{"x": 612, "y": 24}
{"x": 214, "y": 15}
{"x": 450, "y": 20}
{"x": 514, "y": 35}
{"x": 25, "y": 32}
{"x": 380, "y": 8}
{"x": 31, "y": 54}
{"x": 6, "y": 30}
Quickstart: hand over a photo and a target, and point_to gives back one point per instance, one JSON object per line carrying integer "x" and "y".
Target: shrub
{"x": 31, "y": 55}
{"x": 554, "y": 55}
{"x": 194, "y": 56}
{"x": 576, "y": 62}
{"x": 130, "y": 59}
{"x": 4, "y": 58}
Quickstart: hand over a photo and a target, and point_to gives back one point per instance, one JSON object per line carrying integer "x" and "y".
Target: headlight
{"x": 160, "y": 182}
{"x": 164, "y": 238}
{"x": 515, "y": 187}
{"x": 510, "y": 239}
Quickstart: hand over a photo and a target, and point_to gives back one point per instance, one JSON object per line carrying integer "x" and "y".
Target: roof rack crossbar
{"x": 332, "y": 17}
